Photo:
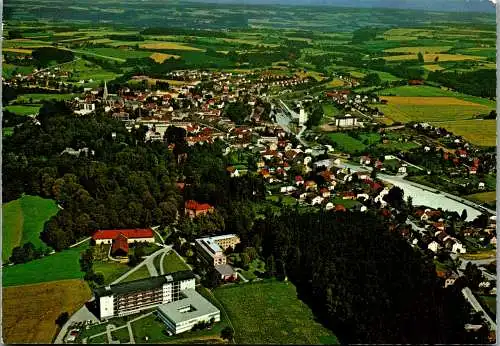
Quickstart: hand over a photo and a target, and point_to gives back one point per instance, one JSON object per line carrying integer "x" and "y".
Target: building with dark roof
{"x": 133, "y": 296}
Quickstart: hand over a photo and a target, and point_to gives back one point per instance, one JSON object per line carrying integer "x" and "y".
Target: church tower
{"x": 105, "y": 93}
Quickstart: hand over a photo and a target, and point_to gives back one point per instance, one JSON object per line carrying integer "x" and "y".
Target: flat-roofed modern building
{"x": 212, "y": 248}
{"x": 132, "y": 297}
{"x": 180, "y": 316}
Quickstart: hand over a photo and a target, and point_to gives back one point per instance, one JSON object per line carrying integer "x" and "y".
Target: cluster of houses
{"x": 350, "y": 101}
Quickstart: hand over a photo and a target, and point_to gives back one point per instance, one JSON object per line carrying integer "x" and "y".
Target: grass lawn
{"x": 140, "y": 273}
{"x": 329, "y": 110}
{"x": 121, "y": 334}
{"x": 173, "y": 263}
{"x": 490, "y": 302}
{"x": 29, "y": 311}
{"x": 286, "y": 200}
{"x": 59, "y": 266}
{"x": 23, "y": 221}
{"x": 345, "y": 142}
{"x": 477, "y": 131}
{"x": 93, "y": 330}
{"x": 348, "y": 203}
{"x": 111, "y": 270}
{"x": 23, "y": 109}
{"x": 270, "y": 313}
{"x": 101, "y": 339}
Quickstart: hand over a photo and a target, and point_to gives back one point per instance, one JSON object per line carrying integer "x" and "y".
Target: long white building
{"x": 132, "y": 297}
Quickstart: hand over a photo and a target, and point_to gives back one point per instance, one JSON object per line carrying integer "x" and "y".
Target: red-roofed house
{"x": 340, "y": 207}
{"x": 132, "y": 235}
{"x": 194, "y": 209}
{"x": 120, "y": 246}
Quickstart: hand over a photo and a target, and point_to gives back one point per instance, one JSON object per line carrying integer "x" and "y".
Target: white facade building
{"x": 133, "y": 296}
{"x": 180, "y": 316}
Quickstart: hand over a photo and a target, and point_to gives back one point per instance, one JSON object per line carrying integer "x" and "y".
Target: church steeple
{"x": 105, "y": 93}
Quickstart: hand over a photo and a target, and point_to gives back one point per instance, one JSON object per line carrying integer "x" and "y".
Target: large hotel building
{"x": 131, "y": 297}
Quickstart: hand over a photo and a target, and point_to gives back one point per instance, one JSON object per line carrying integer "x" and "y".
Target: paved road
{"x": 81, "y": 315}
{"x": 149, "y": 259}
{"x": 81, "y": 241}
{"x": 476, "y": 306}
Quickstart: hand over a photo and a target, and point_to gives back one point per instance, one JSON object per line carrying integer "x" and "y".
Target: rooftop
{"x": 192, "y": 306}
{"x": 129, "y": 233}
{"x": 143, "y": 284}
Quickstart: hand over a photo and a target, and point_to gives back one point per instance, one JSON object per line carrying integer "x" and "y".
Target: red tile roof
{"x": 129, "y": 233}
{"x": 120, "y": 243}
{"x": 193, "y": 205}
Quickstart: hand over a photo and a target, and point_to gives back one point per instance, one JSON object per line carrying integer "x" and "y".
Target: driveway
{"x": 81, "y": 315}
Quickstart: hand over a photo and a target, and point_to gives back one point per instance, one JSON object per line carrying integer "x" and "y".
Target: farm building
{"x": 132, "y": 235}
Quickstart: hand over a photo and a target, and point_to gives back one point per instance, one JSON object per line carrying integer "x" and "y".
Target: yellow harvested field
{"x": 415, "y": 50}
{"x": 476, "y": 131}
{"x": 336, "y": 83}
{"x": 432, "y": 57}
{"x": 18, "y": 50}
{"x": 30, "y": 311}
{"x": 433, "y": 68}
{"x": 427, "y": 101}
{"x": 168, "y": 45}
{"x": 400, "y": 38}
{"x": 316, "y": 75}
{"x": 160, "y": 57}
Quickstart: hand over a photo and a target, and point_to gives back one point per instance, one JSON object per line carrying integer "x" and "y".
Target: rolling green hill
{"x": 23, "y": 221}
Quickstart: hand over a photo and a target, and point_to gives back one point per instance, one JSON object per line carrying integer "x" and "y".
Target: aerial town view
{"x": 249, "y": 172}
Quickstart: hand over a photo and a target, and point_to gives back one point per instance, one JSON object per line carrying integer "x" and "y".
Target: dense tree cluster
{"x": 119, "y": 181}
{"x": 366, "y": 284}
{"x": 238, "y": 111}
{"x": 479, "y": 83}
{"x": 44, "y": 56}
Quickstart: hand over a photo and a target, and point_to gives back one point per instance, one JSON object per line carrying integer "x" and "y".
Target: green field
{"x": 7, "y": 131}
{"x": 59, "y": 266}
{"x": 173, "y": 263}
{"x": 483, "y": 197}
{"x": 111, "y": 270}
{"x": 348, "y": 203}
{"x": 121, "y": 334}
{"x": 345, "y": 142}
{"x": 23, "y": 109}
{"x": 38, "y": 98}
{"x": 430, "y": 113}
{"x": 140, "y": 273}
{"x": 429, "y": 91}
{"x": 490, "y": 302}
{"x": 270, "y": 313}
{"x": 23, "y": 221}
{"x": 477, "y": 131}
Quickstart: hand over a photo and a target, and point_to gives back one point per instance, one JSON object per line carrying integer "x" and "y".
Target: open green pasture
{"x": 59, "y": 266}
{"x": 23, "y": 221}
{"x": 271, "y": 313}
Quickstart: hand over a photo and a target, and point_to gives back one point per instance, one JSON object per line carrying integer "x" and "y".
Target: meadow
{"x": 111, "y": 270}
{"x": 23, "y": 110}
{"x": 433, "y": 57}
{"x": 270, "y": 313}
{"x": 422, "y": 49}
{"x": 477, "y": 131}
{"x": 38, "y": 98}
{"x": 30, "y": 311}
{"x": 23, "y": 221}
{"x": 141, "y": 273}
{"x": 59, "y": 266}
{"x": 483, "y": 197}
{"x": 345, "y": 142}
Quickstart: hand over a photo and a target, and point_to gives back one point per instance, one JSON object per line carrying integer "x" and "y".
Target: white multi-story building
{"x": 132, "y": 297}
{"x": 212, "y": 248}
{"x": 181, "y": 315}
